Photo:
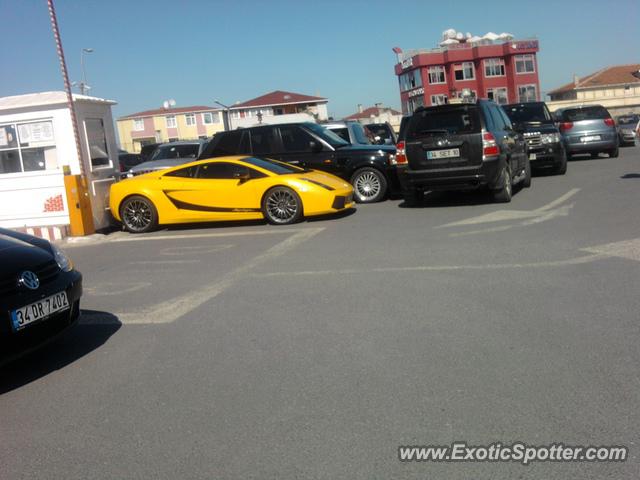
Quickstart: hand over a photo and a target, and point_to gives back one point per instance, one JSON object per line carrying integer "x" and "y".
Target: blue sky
{"x": 196, "y": 51}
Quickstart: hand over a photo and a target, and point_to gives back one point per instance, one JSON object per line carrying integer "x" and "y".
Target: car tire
{"x": 282, "y": 206}
{"x": 526, "y": 181}
{"x": 138, "y": 214}
{"x": 504, "y": 193}
{"x": 614, "y": 153}
{"x": 561, "y": 168}
{"x": 369, "y": 185}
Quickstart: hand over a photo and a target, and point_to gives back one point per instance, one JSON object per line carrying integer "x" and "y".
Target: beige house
{"x": 377, "y": 114}
{"x": 168, "y": 124}
{"x": 617, "y": 88}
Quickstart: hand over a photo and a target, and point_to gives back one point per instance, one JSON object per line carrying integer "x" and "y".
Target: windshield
{"x": 528, "y": 113}
{"x": 175, "y": 151}
{"x": 327, "y": 135}
{"x": 279, "y": 168}
{"x": 628, "y": 120}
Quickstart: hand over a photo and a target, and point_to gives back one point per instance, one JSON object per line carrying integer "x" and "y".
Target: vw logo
{"x": 29, "y": 280}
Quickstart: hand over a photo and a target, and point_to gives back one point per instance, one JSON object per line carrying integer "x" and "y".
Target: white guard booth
{"x": 36, "y": 142}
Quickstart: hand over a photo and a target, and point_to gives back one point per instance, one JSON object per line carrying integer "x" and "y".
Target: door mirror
{"x": 243, "y": 176}
{"x": 315, "y": 146}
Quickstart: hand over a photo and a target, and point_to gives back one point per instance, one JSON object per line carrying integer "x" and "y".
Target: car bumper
{"x": 14, "y": 344}
{"x": 608, "y": 141}
{"x": 460, "y": 178}
{"x": 546, "y": 155}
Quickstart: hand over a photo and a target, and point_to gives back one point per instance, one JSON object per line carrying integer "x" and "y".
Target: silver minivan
{"x": 588, "y": 129}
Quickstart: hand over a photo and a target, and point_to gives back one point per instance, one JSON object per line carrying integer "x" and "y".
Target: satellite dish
{"x": 172, "y": 103}
{"x": 165, "y": 104}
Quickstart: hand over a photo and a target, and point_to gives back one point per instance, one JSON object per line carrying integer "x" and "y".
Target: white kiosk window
{"x": 97, "y": 142}
{"x": 27, "y": 147}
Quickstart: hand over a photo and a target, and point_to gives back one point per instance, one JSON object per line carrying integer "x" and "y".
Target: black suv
{"x": 462, "y": 146}
{"x": 544, "y": 142}
{"x": 371, "y": 169}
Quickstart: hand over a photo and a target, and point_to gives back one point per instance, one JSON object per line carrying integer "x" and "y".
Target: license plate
{"x": 450, "y": 153}
{"x": 532, "y": 156}
{"x": 39, "y": 310}
{"x": 590, "y": 138}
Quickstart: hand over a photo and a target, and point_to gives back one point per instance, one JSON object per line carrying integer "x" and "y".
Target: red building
{"x": 503, "y": 70}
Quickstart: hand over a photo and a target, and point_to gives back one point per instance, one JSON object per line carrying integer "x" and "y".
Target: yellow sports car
{"x": 227, "y": 188}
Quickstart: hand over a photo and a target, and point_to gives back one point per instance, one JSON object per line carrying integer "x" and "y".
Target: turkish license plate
{"x": 450, "y": 153}
{"x": 590, "y": 138}
{"x": 532, "y": 156}
{"x": 39, "y": 310}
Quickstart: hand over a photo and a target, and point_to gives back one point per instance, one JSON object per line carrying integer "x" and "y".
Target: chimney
{"x": 576, "y": 80}
{"x": 378, "y": 105}
{"x": 360, "y": 110}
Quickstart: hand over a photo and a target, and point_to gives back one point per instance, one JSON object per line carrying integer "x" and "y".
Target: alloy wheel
{"x": 137, "y": 215}
{"x": 367, "y": 185}
{"x": 282, "y": 206}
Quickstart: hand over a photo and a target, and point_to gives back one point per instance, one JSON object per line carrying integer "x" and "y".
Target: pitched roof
{"x": 46, "y": 98}
{"x": 278, "y": 97}
{"x": 616, "y": 75}
{"x": 170, "y": 111}
{"x": 367, "y": 112}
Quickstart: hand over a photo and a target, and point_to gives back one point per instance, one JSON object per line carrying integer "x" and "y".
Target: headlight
{"x": 64, "y": 262}
{"x": 550, "y": 137}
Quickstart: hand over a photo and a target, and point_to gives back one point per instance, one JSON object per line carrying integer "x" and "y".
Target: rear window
{"x": 457, "y": 120}
{"x": 628, "y": 120}
{"x": 586, "y": 113}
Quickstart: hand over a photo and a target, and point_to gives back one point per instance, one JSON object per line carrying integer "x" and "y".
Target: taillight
{"x": 401, "y": 155}
{"x": 564, "y": 126}
{"x": 609, "y": 122}
{"x": 489, "y": 146}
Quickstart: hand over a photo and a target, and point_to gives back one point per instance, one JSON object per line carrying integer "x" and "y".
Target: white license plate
{"x": 590, "y": 138}
{"x": 450, "y": 153}
{"x": 39, "y": 310}
{"x": 532, "y": 156}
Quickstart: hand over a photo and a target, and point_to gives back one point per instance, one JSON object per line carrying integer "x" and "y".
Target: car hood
{"x": 17, "y": 255}
{"x": 161, "y": 164}
{"x": 357, "y": 148}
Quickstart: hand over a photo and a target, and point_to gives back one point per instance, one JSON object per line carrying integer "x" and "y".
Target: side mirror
{"x": 242, "y": 176}
{"x": 315, "y": 146}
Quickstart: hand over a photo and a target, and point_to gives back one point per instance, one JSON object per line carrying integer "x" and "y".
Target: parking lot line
{"x": 140, "y": 238}
{"x": 170, "y": 310}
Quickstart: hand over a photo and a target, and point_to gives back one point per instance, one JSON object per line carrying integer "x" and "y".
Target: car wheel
{"x": 504, "y": 193}
{"x": 561, "y": 168}
{"x": 138, "y": 214}
{"x": 282, "y": 206}
{"x": 526, "y": 181}
{"x": 369, "y": 185}
{"x": 614, "y": 153}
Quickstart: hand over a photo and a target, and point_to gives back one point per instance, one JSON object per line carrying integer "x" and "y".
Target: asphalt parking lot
{"x": 315, "y": 350}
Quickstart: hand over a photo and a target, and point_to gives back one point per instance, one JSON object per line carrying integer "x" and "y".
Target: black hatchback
{"x": 462, "y": 146}
{"x": 39, "y": 293}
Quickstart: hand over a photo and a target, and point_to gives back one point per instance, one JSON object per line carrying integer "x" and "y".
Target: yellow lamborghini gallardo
{"x": 227, "y": 188}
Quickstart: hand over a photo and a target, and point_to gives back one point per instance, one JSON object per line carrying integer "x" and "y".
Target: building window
{"x": 27, "y": 147}
{"x": 525, "y": 64}
{"x": 498, "y": 95}
{"x": 440, "y": 99}
{"x": 464, "y": 71}
{"x": 414, "y": 103}
{"x": 210, "y": 117}
{"x": 171, "y": 121}
{"x": 527, "y": 93}
{"x": 410, "y": 80}
{"x": 190, "y": 119}
{"x": 138, "y": 124}
{"x": 494, "y": 67}
{"x": 436, "y": 75}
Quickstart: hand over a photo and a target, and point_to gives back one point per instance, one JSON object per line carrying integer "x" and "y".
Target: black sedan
{"x": 39, "y": 293}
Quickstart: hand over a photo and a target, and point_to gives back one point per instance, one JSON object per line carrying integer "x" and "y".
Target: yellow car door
{"x": 218, "y": 190}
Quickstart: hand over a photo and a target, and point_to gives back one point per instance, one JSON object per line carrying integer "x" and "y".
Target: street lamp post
{"x": 83, "y": 83}
{"x": 228, "y": 114}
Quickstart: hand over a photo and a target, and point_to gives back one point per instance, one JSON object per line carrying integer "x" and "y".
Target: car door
{"x": 214, "y": 190}
{"x": 504, "y": 137}
{"x": 301, "y": 148}
{"x": 519, "y": 145}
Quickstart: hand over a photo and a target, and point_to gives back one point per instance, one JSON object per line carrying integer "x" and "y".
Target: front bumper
{"x": 459, "y": 178}
{"x": 16, "y": 344}
{"x": 546, "y": 154}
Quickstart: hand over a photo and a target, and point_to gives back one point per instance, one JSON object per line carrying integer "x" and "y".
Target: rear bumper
{"x": 459, "y": 178}
{"x": 16, "y": 344}
{"x": 608, "y": 141}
